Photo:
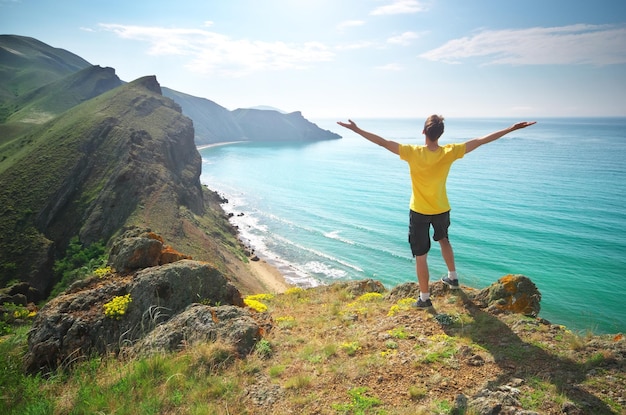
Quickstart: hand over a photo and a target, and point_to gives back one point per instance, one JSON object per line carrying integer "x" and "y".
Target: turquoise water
{"x": 548, "y": 202}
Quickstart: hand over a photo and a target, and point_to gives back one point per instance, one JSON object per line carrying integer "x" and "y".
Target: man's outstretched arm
{"x": 477, "y": 142}
{"x": 376, "y": 139}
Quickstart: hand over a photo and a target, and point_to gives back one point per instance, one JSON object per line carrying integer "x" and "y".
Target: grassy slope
{"x": 46, "y": 102}
{"x": 332, "y": 353}
{"x": 31, "y": 175}
{"x": 26, "y": 63}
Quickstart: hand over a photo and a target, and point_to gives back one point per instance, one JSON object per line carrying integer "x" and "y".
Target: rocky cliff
{"x": 126, "y": 157}
{"x": 84, "y": 155}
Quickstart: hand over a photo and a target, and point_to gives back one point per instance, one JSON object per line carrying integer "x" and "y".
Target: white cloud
{"x": 365, "y": 44}
{"x": 391, "y": 67}
{"x": 404, "y": 39}
{"x": 214, "y": 53}
{"x": 574, "y": 44}
{"x": 399, "y": 7}
{"x": 349, "y": 23}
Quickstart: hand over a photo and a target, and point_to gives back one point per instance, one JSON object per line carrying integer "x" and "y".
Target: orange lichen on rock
{"x": 517, "y": 304}
{"x": 169, "y": 255}
{"x": 512, "y": 293}
{"x": 509, "y": 283}
{"x": 214, "y": 316}
{"x": 519, "y": 301}
{"x": 152, "y": 235}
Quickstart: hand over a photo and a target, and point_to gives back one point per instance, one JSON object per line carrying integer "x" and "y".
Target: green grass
{"x": 323, "y": 364}
{"x": 21, "y": 394}
{"x": 359, "y": 404}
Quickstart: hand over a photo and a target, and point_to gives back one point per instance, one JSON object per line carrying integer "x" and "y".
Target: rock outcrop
{"x": 512, "y": 293}
{"x": 202, "y": 323}
{"x": 137, "y": 249}
{"x": 155, "y": 308}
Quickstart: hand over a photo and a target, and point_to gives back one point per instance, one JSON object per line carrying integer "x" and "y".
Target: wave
{"x": 335, "y": 235}
{"x": 318, "y": 253}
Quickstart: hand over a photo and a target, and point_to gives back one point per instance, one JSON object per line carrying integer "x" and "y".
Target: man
{"x": 429, "y": 165}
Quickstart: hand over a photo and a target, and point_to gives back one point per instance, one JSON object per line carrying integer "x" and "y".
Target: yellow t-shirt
{"x": 429, "y": 172}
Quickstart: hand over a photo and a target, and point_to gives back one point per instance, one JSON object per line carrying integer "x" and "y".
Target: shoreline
{"x": 269, "y": 276}
{"x": 223, "y": 143}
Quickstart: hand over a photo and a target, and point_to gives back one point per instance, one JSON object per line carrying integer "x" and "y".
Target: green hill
{"x": 46, "y": 102}
{"x": 27, "y": 63}
{"x": 27, "y": 112}
{"x": 126, "y": 157}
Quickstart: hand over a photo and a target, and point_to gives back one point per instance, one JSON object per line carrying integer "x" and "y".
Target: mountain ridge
{"x": 89, "y": 171}
{"x": 27, "y": 64}
{"x": 84, "y": 154}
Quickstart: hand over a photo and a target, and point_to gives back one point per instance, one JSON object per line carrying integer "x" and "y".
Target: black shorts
{"x": 419, "y": 230}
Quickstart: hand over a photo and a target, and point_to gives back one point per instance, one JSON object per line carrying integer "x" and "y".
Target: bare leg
{"x": 447, "y": 253}
{"x": 421, "y": 268}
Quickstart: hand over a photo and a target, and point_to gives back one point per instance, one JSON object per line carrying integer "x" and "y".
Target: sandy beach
{"x": 269, "y": 276}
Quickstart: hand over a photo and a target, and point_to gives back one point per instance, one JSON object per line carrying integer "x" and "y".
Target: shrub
{"x": 286, "y": 322}
{"x": 360, "y": 402}
{"x": 255, "y": 305}
{"x": 117, "y": 307}
{"x": 264, "y": 348}
{"x": 79, "y": 261}
{"x": 350, "y": 348}
{"x": 402, "y": 305}
{"x": 294, "y": 291}
{"x": 101, "y": 272}
{"x": 255, "y": 301}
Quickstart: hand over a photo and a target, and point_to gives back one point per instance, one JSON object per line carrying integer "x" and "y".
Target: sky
{"x": 354, "y": 58}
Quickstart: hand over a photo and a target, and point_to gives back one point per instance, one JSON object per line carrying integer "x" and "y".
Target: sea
{"x": 547, "y": 202}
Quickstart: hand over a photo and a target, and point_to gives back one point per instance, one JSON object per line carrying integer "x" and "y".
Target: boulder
{"x": 202, "y": 323}
{"x": 74, "y": 325}
{"x": 504, "y": 399}
{"x": 360, "y": 287}
{"x": 139, "y": 248}
{"x": 405, "y": 290}
{"x": 135, "y": 249}
{"x": 511, "y": 293}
